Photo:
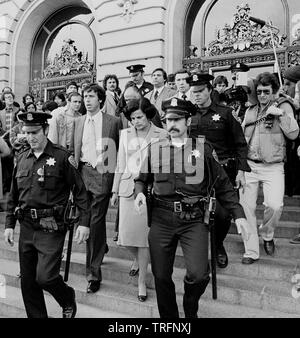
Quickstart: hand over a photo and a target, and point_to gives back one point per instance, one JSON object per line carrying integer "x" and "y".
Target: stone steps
{"x": 260, "y": 290}
{"x": 13, "y": 307}
{"x": 119, "y": 298}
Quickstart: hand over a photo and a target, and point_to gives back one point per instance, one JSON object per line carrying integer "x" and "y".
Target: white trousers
{"x": 272, "y": 178}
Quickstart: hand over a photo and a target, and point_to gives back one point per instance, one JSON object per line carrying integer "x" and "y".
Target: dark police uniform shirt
{"x": 146, "y": 88}
{"x": 46, "y": 182}
{"x": 187, "y": 171}
{"x": 223, "y": 131}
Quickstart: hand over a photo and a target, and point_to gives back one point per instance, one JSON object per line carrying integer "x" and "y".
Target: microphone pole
{"x": 264, "y": 23}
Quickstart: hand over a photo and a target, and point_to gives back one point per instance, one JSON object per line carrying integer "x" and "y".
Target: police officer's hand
{"x": 9, "y": 236}
{"x": 139, "y": 201}
{"x": 274, "y": 111}
{"x": 82, "y": 234}
{"x": 114, "y": 199}
{"x": 240, "y": 180}
{"x": 243, "y": 228}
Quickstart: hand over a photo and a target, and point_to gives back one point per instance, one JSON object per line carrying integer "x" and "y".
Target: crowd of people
{"x": 158, "y": 152}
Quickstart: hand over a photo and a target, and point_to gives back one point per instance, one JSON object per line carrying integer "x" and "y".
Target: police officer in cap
{"x": 43, "y": 177}
{"x": 137, "y": 76}
{"x": 184, "y": 172}
{"x": 224, "y": 132}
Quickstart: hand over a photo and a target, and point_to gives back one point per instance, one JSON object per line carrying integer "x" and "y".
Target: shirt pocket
{"x": 22, "y": 177}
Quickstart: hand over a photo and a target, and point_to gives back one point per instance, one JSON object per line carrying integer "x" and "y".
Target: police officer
{"x": 43, "y": 177}
{"x": 217, "y": 123}
{"x": 137, "y": 76}
{"x": 184, "y": 173}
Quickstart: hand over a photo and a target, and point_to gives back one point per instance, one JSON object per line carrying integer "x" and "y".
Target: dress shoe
{"x": 269, "y": 247}
{"x": 295, "y": 240}
{"x": 248, "y": 260}
{"x": 222, "y": 258}
{"x": 142, "y": 298}
{"x": 134, "y": 269}
{"x": 93, "y": 286}
{"x": 70, "y": 310}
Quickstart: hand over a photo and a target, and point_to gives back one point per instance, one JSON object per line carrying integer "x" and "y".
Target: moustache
{"x": 171, "y": 129}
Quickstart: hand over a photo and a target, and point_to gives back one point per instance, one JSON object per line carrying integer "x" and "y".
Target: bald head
{"x": 131, "y": 93}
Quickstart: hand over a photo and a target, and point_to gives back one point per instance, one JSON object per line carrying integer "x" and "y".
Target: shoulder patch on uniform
{"x": 235, "y": 115}
{"x": 73, "y": 162}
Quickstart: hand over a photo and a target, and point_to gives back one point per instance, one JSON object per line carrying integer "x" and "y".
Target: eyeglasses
{"x": 263, "y": 91}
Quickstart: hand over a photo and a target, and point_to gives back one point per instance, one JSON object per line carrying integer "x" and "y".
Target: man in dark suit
{"x": 160, "y": 92}
{"x": 95, "y": 143}
{"x": 137, "y": 76}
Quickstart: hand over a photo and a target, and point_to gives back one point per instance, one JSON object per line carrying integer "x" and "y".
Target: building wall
{"x": 155, "y": 35}
{"x": 119, "y": 42}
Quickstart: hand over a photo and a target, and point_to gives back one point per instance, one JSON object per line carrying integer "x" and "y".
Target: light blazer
{"x": 13, "y": 118}
{"x": 110, "y": 104}
{"x": 131, "y": 156}
{"x": 165, "y": 94}
{"x": 111, "y": 126}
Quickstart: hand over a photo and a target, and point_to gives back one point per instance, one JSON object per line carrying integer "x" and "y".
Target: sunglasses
{"x": 263, "y": 91}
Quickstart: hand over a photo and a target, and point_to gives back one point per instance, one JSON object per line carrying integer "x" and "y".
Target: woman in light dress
{"x": 133, "y": 147}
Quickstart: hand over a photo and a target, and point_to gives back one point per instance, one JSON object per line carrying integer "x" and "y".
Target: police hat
{"x": 292, "y": 74}
{"x": 199, "y": 79}
{"x": 135, "y": 68}
{"x": 239, "y": 67}
{"x": 176, "y": 108}
{"x": 32, "y": 121}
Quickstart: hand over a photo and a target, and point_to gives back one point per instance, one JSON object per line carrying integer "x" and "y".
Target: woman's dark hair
{"x": 29, "y": 104}
{"x": 268, "y": 79}
{"x": 39, "y": 100}
{"x": 60, "y": 95}
{"x": 24, "y": 98}
{"x": 50, "y": 105}
{"x": 143, "y": 104}
{"x": 220, "y": 79}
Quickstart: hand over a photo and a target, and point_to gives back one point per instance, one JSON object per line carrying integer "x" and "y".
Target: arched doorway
{"x": 63, "y": 50}
{"x": 214, "y": 45}
{"x": 39, "y": 21}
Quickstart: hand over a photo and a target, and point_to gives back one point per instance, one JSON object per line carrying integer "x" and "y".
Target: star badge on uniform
{"x": 51, "y": 162}
{"x": 216, "y": 117}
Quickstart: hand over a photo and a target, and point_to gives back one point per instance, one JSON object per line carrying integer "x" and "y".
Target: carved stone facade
{"x": 247, "y": 42}
{"x": 243, "y": 35}
{"x": 69, "y": 62}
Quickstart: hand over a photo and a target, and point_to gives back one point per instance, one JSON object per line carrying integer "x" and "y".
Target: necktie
{"x": 184, "y": 97}
{"x": 8, "y": 118}
{"x": 116, "y": 98}
{"x": 92, "y": 143}
{"x": 156, "y": 95}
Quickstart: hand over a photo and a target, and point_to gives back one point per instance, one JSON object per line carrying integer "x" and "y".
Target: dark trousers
{"x": 96, "y": 244}
{"x": 40, "y": 259}
{"x": 222, "y": 216}
{"x": 167, "y": 229}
